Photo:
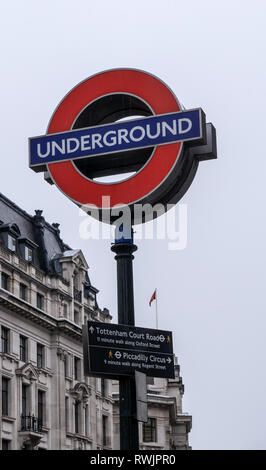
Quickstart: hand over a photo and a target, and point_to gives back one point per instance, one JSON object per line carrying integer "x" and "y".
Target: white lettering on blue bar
{"x": 116, "y": 137}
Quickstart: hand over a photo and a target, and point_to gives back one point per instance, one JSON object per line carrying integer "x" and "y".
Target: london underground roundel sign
{"x": 122, "y": 122}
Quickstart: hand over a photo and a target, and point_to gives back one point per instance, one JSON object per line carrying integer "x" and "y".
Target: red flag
{"x": 153, "y": 297}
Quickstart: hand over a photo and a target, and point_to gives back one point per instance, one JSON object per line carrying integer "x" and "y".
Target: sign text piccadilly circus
{"x": 159, "y": 144}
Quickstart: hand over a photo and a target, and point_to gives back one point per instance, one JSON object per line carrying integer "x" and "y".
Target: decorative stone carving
{"x": 81, "y": 393}
{"x": 61, "y": 353}
{"x": 30, "y": 441}
{"x": 28, "y": 373}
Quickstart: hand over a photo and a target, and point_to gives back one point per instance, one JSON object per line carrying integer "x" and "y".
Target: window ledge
{"x": 67, "y": 377}
{"x": 44, "y": 371}
{"x": 11, "y": 357}
{"x": 79, "y": 436}
{"x": 9, "y": 419}
{"x": 45, "y": 429}
{"x": 151, "y": 444}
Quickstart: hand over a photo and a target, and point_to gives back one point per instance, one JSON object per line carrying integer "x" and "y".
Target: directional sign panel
{"x": 118, "y": 350}
{"x": 130, "y": 337}
{"x": 113, "y": 361}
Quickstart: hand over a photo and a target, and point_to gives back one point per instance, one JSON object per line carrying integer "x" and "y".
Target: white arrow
{"x": 118, "y": 355}
{"x": 91, "y": 329}
{"x": 168, "y": 360}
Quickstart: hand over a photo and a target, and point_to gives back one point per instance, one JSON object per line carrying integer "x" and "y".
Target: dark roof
{"x": 50, "y": 247}
{"x": 36, "y": 229}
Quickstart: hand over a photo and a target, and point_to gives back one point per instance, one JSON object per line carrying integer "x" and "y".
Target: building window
{"x": 28, "y": 254}
{"x": 76, "y": 317}
{"x": 76, "y": 417}
{"x": 4, "y": 340}
{"x": 24, "y": 400}
{"x": 12, "y": 243}
{"x": 76, "y": 291}
{"x": 5, "y": 387}
{"x": 65, "y": 310}
{"x": 41, "y": 401}
{"x": 66, "y": 413}
{"x": 40, "y": 356}
{"x": 92, "y": 299}
{"x": 86, "y": 420}
{"x": 5, "y": 281}
{"x": 40, "y": 301}
{"x": 66, "y": 365}
{"x": 103, "y": 387}
{"x": 5, "y": 444}
{"x": 23, "y": 348}
{"x": 23, "y": 291}
{"x": 149, "y": 430}
{"x": 105, "y": 418}
{"x": 76, "y": 368}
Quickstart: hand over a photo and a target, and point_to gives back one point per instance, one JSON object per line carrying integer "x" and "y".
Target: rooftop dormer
{"x": 26, "y": 248}
{"x": 9, "y": 234}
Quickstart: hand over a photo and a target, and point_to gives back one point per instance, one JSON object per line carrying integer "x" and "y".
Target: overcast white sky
{"x": 212, "y": 294}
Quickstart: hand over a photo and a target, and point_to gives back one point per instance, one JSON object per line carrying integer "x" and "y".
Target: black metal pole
{"x": 129, "y": 436}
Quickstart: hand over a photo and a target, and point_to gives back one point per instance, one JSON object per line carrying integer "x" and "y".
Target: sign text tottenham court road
{"x": 129, "y": 337}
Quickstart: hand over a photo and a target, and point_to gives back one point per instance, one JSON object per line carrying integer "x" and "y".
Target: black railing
{"x": 77, "y": 294}
{"x": 31, "y": 423}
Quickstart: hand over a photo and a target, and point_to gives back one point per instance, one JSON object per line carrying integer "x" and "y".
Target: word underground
{"x": 109, "y": 138}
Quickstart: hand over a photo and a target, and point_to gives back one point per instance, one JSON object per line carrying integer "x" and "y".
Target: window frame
{"x": 23, "y": 291}
{"x": 87, "y": 419}
{"x": 27, "y": 251}
{"x": 103, "y": 387}
{"x": 11, "y": 243}
{"x": 149, "y": 428}
{"x": 5, "y": 340}
{"x": 5, "y": 444}
{"x": 23, "y": 348}
{"x": 65, "y": 310}
{"x": 77, "y": 368}
{"x": 5, "y": 396}
{"x": 104, "y": 430}
{"x": 66, "y": 365}
{"x": 24, "y": 399}
{"x": 41, "y": 407}
{"x": 77, "y": 417}
{"x": 5, "y": 279}
{"x": 40, "y": 301}
{"x": 40, "y": 356}
{"x": 76, "y": 317}
{"x": 67, "y": 413}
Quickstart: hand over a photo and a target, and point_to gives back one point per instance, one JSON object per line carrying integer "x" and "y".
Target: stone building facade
{"x": 45, "y": 401}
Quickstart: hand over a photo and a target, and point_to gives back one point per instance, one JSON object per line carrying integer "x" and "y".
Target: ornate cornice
{"x": 28, "y": 372}
{"x": 81, "y": 392}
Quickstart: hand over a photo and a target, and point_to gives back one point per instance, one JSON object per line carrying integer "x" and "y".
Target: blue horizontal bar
{"x": 116, "y": 137}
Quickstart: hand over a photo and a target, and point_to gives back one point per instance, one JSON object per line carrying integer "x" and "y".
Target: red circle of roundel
{"x": 142, "y": 85}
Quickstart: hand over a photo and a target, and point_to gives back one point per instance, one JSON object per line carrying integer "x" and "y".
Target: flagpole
{"x": 156, "y": 307}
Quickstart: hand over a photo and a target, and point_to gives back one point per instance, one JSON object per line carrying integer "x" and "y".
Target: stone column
{"x": 57, "y": 405}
